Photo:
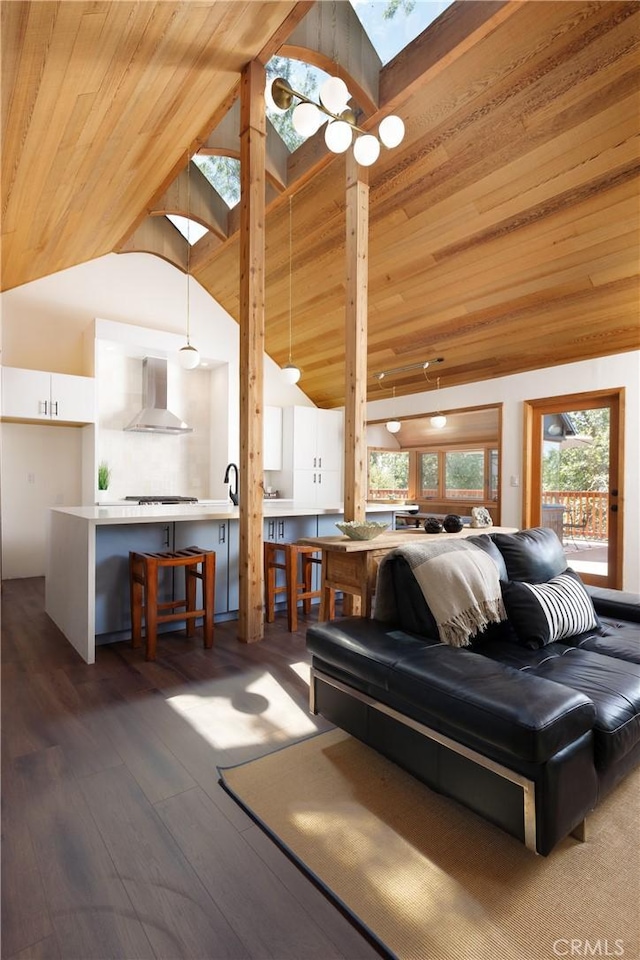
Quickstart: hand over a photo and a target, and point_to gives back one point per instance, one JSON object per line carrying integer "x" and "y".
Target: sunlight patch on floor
{"x": 241, "y": 711}
{"x": 389, "y": 867}
{"x": 303, "y": 670}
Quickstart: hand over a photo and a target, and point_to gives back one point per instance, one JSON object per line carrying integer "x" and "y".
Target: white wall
{"x": 620, "y": 370}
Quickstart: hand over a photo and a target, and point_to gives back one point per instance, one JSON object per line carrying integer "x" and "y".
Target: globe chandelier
{"x": 308, "y": 117}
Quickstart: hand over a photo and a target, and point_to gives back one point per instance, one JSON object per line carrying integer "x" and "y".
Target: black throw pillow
{"x": 542, "y": 613}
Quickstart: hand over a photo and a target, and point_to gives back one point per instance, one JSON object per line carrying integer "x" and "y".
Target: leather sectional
{"x": 530, "y": 736}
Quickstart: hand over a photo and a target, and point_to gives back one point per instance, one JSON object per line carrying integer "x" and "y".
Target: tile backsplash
{"x": 149, "y": 463}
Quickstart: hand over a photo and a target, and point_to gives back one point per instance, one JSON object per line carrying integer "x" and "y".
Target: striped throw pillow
{"x": 541, "y": 613}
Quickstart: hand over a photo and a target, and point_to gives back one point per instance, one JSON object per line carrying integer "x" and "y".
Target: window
{"x": 388, "y": 474}
{"x": 391, "y": 26}
{"x": 429, "y": 470}
{"x": 464, "y": 475}
{"x": 223, "y": 173}
{"x": 493, "y": 474}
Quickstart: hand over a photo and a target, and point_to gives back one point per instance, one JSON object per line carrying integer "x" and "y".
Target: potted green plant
{"x": 104, "y": 476}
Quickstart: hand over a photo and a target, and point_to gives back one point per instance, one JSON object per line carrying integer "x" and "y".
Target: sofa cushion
{"x": 534, "y": 555}
{"x": 613, "y": 639}
{"x": 613, "y": 686}
{"x": 468, "y": 697}
{"x": 545, "y": 612}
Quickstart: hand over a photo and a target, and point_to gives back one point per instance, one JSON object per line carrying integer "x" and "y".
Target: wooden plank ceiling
{"x": 503, "y": 231}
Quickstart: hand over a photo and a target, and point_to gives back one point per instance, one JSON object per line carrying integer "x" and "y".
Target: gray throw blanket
{"x": 459, "y": 582}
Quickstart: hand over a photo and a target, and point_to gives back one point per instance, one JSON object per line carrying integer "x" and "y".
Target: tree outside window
{"x": 464, "y": 475}
{"x": 429, "y": 482}
{"x": 388, "y": 474}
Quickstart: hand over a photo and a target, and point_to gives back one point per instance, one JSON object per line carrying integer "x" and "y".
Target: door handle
{"x": 222, "y": 533}
{"x": 614, "y": 508}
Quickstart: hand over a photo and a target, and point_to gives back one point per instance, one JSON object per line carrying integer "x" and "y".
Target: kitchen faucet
{"x": 233, "y": 493}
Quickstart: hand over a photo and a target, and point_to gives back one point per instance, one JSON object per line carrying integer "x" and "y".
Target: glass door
{"x": 573, "y": 482}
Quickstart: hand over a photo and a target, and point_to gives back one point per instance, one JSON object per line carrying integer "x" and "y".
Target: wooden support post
{"x": 357, "y": 256}
{"x": 252, "y": 310}
{"x": 355, "y": 392}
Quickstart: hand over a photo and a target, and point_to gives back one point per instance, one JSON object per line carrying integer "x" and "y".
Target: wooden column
{"x": 357, "y": 257}
{"x": 252, "y": 310}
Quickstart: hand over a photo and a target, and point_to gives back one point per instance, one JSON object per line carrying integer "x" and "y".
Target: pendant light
{"x": 290, "y": 372}
{"x": 438, "y": 421}
{"x": 188, "y": 356}
{"x": 393, "y": 426}
{"x": 341, "y": 125}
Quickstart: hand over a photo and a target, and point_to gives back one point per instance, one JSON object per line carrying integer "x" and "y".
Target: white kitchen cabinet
{"x": 43, "y": 396}
{"x": 312, "y": 456}
{"x": 272, "y": 439}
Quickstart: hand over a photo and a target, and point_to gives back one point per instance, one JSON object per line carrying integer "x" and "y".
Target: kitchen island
{"x": 86, "y": 579}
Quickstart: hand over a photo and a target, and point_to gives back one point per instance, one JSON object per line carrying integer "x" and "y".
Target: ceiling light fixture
{"x": 308, "y": 117}
{"x": 438, "y": 421}
{"x": 393, "y": 426}
{"x": 423, "y": 365}
{"x": 290, "y": 372}
{"x": 188, "y": 356}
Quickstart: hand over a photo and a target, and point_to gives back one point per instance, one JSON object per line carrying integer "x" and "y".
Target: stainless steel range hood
{"x": 154, "y": 416}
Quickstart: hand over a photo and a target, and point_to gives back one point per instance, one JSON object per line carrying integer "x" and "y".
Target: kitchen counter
{"x": 86, "y": 580}
{"x": 204, "y": 510}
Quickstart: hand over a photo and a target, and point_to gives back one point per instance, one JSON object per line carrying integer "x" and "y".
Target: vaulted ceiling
{"x": 503, "y": 231}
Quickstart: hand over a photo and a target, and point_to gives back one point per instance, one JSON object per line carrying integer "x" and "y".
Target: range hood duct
{"x": 154, "y": 416}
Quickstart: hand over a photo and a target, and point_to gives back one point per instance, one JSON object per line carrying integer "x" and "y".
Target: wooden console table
{"x": 352, "y": 565}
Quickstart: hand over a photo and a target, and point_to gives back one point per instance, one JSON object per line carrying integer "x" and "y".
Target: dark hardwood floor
{"x": 117, "y": 840}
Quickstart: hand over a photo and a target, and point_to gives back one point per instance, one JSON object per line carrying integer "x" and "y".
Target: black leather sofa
{"x": 531, "y": 737}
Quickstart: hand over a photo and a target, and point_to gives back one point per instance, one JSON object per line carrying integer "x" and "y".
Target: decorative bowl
{"x": 361, "y": 529}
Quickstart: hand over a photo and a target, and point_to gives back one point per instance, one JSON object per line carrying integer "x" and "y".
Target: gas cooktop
{"x": 162, "y": 498}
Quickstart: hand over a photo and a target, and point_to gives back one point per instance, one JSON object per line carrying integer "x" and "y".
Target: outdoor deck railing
{"x": 585, "y": 511}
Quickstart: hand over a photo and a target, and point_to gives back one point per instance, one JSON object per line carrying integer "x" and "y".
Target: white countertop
{"x": 211, "y": 510}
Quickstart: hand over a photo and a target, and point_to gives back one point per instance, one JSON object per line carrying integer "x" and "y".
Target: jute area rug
{"x": 432, "y": 881}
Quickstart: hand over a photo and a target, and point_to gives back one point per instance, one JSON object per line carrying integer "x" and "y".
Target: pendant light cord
{"x": 188, "y": 245}
{"x": 290, "y": 276}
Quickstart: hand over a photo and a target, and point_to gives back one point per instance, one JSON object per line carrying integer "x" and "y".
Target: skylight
{"x": 391, "y": 25}
{"x": 190, "y": 229}
{"x": 223, "y": 173}
{"x": 301, "y": 76}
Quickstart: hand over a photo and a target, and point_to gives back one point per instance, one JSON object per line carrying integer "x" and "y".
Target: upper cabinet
{"x": 47, "y": 397}
{"x": 312, "y": 455}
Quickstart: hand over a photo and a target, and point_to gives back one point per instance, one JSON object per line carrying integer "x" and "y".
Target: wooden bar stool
{"x": 144, "y": 569}
{"x": 284, "y": 556}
